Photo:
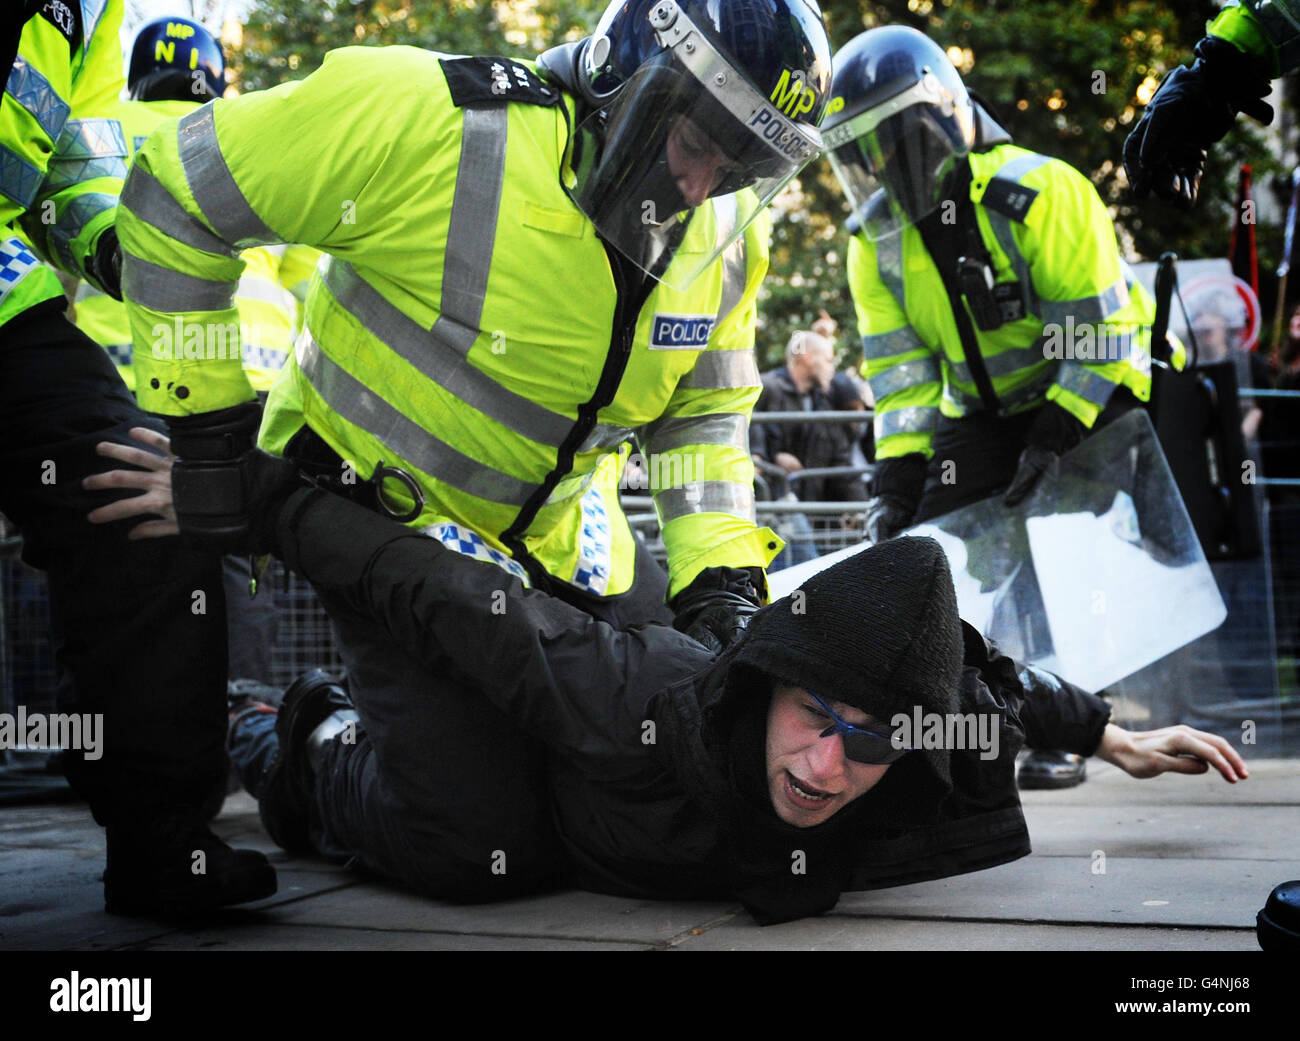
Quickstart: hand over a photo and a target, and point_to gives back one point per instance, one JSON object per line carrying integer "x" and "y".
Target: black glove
{"x": 227, "y": 491}
{"x": 1193, "y": 108}
{"x": 104, "y": 266}
{"x": 716, "y": 607}
{"x": 887, "y": 515}
{"x": 896, "y": 486}
{"x": 1053, "y": 433}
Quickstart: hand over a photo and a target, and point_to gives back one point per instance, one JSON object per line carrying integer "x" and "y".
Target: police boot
{"x": 1277, "y": 926}
{"x": 1051, "y": 769}
{"x": 315, "y": 709}
{"x": 168, "y": 864}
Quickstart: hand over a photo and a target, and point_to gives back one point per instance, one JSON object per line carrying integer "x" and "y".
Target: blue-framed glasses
{"x": 860, "y": 745}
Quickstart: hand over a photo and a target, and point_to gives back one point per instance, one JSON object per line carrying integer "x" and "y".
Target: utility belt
{"x": 326, "y": 469}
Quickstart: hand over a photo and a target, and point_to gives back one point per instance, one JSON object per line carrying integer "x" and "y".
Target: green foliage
{"x": 288, "y": 39}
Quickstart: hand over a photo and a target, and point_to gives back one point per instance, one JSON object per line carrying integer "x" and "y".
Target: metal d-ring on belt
{"x": 383, "y": 473}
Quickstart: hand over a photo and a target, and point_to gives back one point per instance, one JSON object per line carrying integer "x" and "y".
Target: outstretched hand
{"x": 153, "y": 479}
{"x": 1178, "y": 749}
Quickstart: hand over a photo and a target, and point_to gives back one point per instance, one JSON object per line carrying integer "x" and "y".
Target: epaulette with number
{"x": 483, "y": 80}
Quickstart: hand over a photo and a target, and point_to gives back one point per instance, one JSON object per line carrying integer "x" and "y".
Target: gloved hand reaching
{"x": 1053, "y": 433}
{"x": 1193, "y": 109}
{"x": 897, "y": 485}
{"x": 715, "y": 609}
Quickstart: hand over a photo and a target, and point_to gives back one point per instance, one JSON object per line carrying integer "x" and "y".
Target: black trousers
{"x": 441, "y": 790}
{"x": 139, "y": 626}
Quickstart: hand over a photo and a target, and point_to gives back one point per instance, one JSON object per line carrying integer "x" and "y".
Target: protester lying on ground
{"x": 517, "y": 744}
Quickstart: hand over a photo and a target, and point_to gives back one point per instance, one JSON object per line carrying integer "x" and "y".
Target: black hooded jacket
{"x": 646, "y": 795}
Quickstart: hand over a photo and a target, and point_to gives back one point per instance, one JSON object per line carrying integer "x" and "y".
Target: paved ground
{"x": 1176, "y": 863}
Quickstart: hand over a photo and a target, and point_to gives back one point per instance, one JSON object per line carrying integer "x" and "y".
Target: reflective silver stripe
{"x": 723, "y": 370}
{"x": 1085, "y": 382}
{"x": 91, "y": 139}
{"x": 162, "y": 289}
{"x": 706, "y": 497}
{"x": 721, "y": 428}
{"x": 886, "y": 345}
{"x": 735, "y": 259}
{"x": 1014, "y": 359}
{"x": 73, "y": 220}
{"x": 1009, "y": 401}
{"x": 1279, "y": 20}
{"x": 62, "y": 173}
{"x": 211, "y": 183}
{"x": 147, "y": 199}
{"x": 91, "y": 10}
{"x": 1006, "y": 239}
{"x": 19, "y": 179}
{"x": 440, "y": 361}
{"x": 472, "y": 227}
{"x": 1088, "y": 308}
{"x": 889, "y": 265}
{"x": 33, "y": 92}
{"x": 359, "y": 405}
{"x": 917, "y": 419}
{"x": 910, "y": 374}
{"x": 605, "y": 435}
{"x": 1014, "y": 170}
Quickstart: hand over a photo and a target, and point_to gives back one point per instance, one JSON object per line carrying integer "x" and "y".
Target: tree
{"x": 288, "y": 39}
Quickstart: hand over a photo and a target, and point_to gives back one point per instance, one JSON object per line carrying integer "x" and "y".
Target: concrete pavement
{"x": 1174, "y": 863}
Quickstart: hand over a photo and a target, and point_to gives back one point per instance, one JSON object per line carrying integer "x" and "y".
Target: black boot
{"x": 1051, "y": 769}
{"x": 286, "y": 801}
{"x": 168, "y": 864}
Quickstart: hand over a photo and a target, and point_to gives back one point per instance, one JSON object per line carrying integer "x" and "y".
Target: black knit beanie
{"x": 878, "y": 631}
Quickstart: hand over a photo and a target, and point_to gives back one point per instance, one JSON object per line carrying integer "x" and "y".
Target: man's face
{"x": 809, "y": 778}
{"x": 696, "y": 164}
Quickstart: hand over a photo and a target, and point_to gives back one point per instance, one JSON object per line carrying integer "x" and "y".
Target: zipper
{"x": 630, "y": 299}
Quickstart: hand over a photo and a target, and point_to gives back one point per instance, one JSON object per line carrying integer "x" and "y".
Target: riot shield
{"x": 1098, "y": 577}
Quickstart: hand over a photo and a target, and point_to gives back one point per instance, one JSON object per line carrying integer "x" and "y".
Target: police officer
{"x": 1247, "y": 44}
{"x": 997, "y": 320}
{"x": 137, "y": 626}
{"x": 177, "y": 65}
{"x": 528, "y": 262}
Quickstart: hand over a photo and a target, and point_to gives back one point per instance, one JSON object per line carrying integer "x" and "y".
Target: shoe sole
{"x": 283, "y": 808}
{"x": 1048, "y": 782}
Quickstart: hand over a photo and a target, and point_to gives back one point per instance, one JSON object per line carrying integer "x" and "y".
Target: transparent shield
{"x": 1100, "y": 578}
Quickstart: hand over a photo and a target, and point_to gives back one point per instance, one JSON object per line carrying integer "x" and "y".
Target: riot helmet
{"x": 686, "y": 100}
{"x": 175, "y": 59}
{"x": 898, "y": 128}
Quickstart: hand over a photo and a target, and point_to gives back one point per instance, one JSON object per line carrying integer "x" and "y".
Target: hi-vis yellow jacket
{"x": 1083, "y": 325}
{"x": 466, "y": 324}
{"x": 267, "y": 305}
{"x": 61, "y": 162}
{"x": 1268, "y": 29}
